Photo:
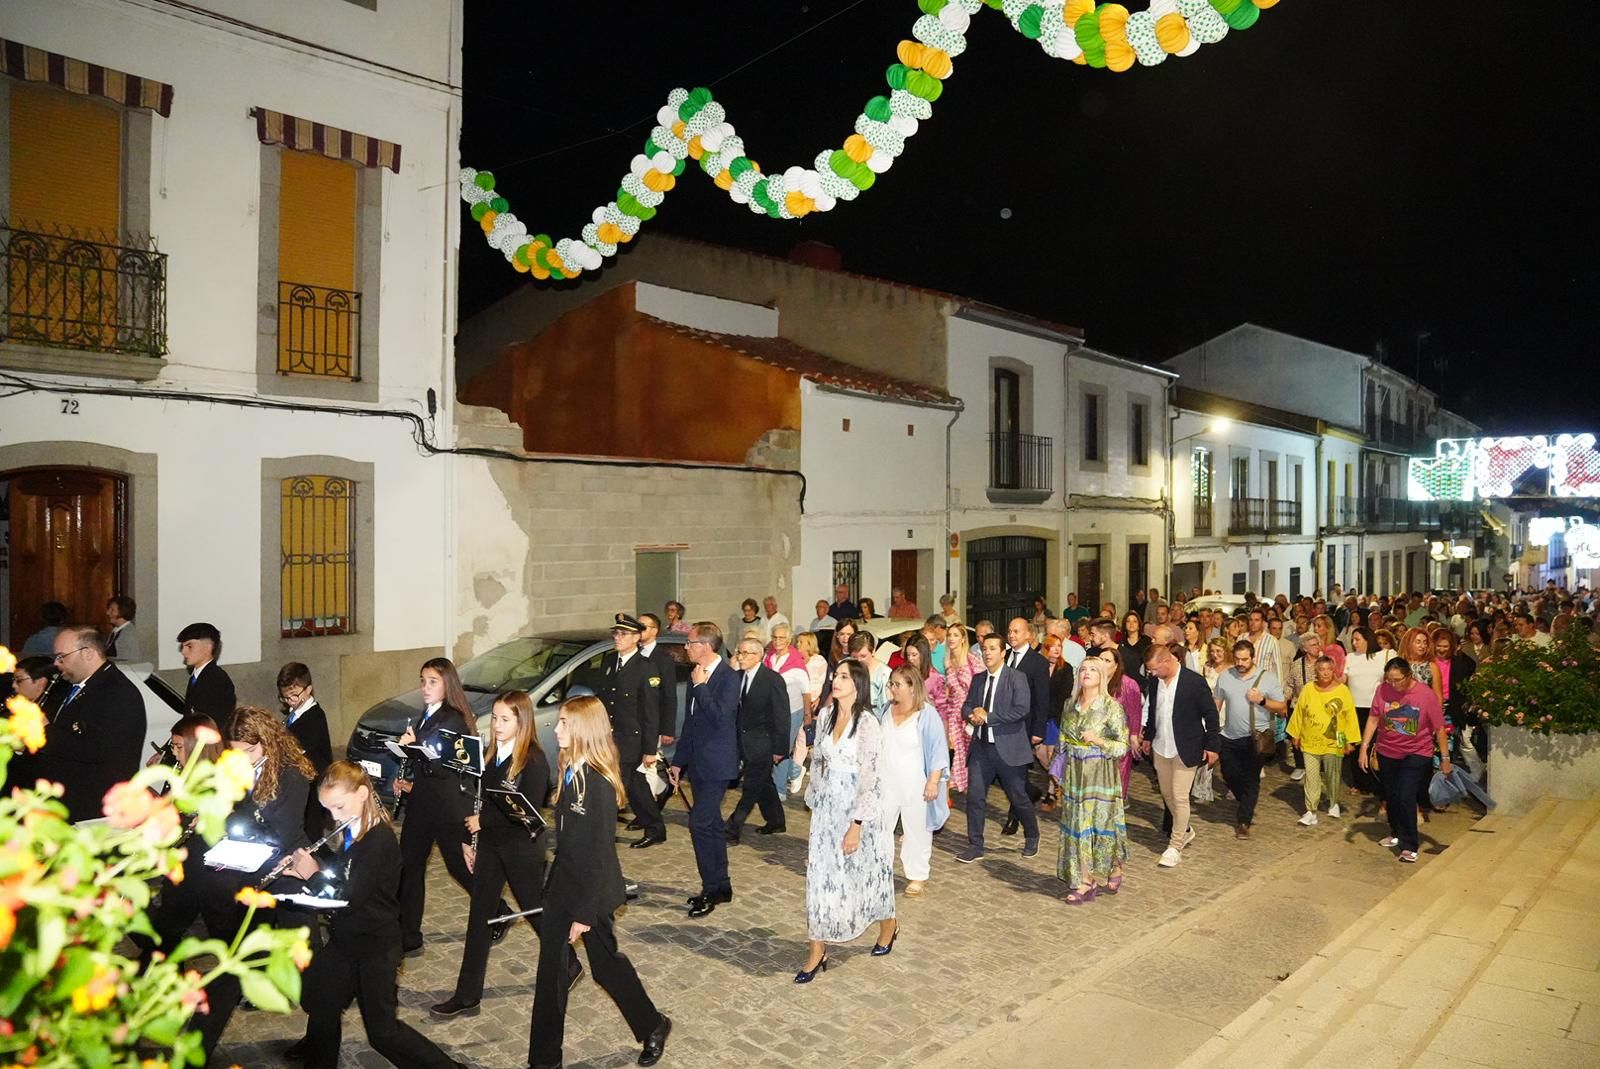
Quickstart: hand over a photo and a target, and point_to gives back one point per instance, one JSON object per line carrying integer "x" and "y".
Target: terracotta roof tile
{"x": 812, "y": 365}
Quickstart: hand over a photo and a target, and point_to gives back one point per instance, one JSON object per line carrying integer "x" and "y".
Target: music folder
{"x": 240, "y": 855}
{"x": 412, "y": 752}
{"x": 516, "y": 805}
{"x": 462, "y": 752}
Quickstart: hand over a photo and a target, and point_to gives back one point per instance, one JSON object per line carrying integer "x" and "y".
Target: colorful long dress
{"x": 957, "y": 682}
{"x": 1094, "y": 830}
{"x": 847, "y": 892}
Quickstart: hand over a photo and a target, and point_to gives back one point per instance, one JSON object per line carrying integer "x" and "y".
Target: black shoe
{"x": 647, "y": 841}
{"x": 1030, "y": 848}
{"x": 805, "y": 976}
{"x": 574, "y": 973}
{"x": 731, "y": 832}
{"x": 880, "y": 950}
{"x": 772, "y": 829}
{"x": 970, "y": 854}
{"x": 705, "y": 904}
{"x": 412, "y": 950}
{"x": 1013, "y": 822}
{"x": 656, "y": 1045}
{"x": 497, "y": 932}
{"x": 454, "y": 1006}
{"x": 296, "y": 1051}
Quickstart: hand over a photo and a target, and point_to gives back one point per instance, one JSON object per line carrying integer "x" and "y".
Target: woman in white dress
{"x": 849, "y": 865}
{"x": 915, "y": 765}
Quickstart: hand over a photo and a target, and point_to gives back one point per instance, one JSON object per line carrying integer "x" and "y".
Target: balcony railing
{"x": 1390, "y": 513}
{"x": 1202, "y": 517}
{"x": 1283, "y": 516}
{"x": 319, "y": 331}
{"x": 1247, "y": 515}
{"x": 1019, "y": 467}
{"x": 1394, "y": 434}
{"x": 83, "y": 291}
{"x": 1343, "y": 512}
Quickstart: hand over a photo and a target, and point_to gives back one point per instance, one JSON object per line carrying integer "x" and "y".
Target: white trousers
{"x": 905, "y": 804}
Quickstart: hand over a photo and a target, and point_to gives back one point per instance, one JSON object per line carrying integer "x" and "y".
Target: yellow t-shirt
{"x": 1325, "y": 720}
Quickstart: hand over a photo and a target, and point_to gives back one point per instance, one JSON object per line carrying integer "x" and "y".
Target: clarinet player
{"x": 504, "y": 852}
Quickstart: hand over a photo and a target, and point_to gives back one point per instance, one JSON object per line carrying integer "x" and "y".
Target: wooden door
{"x": 1089, "y": 578}
{"x": 68, "y": 544}
{"x": 903, "y": 574}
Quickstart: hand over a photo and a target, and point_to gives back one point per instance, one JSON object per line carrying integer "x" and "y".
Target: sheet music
{"x": 239, "y": 855}
{"x": 312, "y": 902}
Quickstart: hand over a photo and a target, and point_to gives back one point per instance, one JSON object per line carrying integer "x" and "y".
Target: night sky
{"x": 1359, "y": 173}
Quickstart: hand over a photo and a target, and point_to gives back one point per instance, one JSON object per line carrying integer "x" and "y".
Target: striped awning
{"x": 87, "y": 79}
{"x": 276, "y": 128}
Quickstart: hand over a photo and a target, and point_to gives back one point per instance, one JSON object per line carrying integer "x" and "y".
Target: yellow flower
{"x": 235, "y": 774}
{"x": 27, "y": 719}
{"x": 8, "y": 925}
{"x": 300, "y": 954}
{"x": 97, "y": 994}
{"x": 255, "y": 899}
{"x": 8, "y": 661}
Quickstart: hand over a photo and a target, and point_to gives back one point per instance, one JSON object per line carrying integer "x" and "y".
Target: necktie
{"x": 349, "y": 837}
{"x": 748, "y": 676}
{"x": 71, "y": 694}
{"x": 1011, "y": 661}
{"x": 988, "y": 698}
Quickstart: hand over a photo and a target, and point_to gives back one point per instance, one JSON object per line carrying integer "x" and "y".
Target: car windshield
{"x": 518, "y": 665}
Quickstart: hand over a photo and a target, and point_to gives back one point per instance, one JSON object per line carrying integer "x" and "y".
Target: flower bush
{"x": 70, "y": 895}
{"x": 1554, "y": 689}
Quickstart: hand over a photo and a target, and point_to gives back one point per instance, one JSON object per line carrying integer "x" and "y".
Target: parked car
{"x": 1226, "y": 603}
{"x": 551, "y": 667}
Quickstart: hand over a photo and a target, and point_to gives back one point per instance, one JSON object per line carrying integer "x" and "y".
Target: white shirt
{"x": 300, "y": 711}
{"x": 1073, "y": 654}
{"x": 624, "y": 658}
{"x": 1165, "y": 745}
{"x": 502, "y": 750}
{"x": 987, "y": 695}
{"x": 647, "y": 650}
{"x": 773, "y": 621}
{"x": 429, "y": 710}
{"x": 194, "y": 675}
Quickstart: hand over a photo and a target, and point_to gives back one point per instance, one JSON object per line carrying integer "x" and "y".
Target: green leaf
{"x": 164, "y": 1030}
{"x": 51, "y": 936}
{"x": 74, "y": 974}
{"x": 261, "y": 992}
{"x": 283, "y": 974}
{"x": 21, "y": 981}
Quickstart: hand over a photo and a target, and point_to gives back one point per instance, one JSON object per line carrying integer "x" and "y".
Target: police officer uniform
{"x": 631, "y": 691}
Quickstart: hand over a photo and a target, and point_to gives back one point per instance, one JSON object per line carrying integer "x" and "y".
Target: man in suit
{"x": 96, "y": 738}
{"x": 998, "y": 707}
{"x": 843, "y": 608}
{"x": 763, "y": 720}
{"x": 667, "y": 668}
{"x": 122, "y": 642}
{"x": 708, "y": 750}
{"x": 309, "y": 726}
{"x": 631, "y": 687}
{"x": 210, "y": 691}
{"x": 1023, "y": 658}
{"x": 1181, "y": 731}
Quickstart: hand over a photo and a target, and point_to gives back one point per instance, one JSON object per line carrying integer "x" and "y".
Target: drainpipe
{"x": 1171, "y": 522}
{"x": 1068, "y": 574}
{"x": 948, "y": 428}
{"x": 1324, "y": 502}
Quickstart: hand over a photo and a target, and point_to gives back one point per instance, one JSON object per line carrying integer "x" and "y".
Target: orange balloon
{"x": 1074, "y": 10}
{"x": 724, "y": 179}
{"x": 609, "y": 233}
{"x": 856, "y": 147}
{"x": 1172, "y": 33}
{"x": 937, "y": 63}
{"x": 696, "y": 149}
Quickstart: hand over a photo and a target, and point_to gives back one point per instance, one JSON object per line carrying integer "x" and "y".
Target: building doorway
{"x": 67, "y": 541}
{"x": 1004, "y": 575}
{"x": 1089, "y": 578}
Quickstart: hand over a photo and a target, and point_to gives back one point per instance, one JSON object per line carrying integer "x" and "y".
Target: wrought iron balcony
{"x": 1019, "y": 467}
{"x": 1283, "y": 517}
{"x": 1343, "y": 512}
{"x": 79, "y": 290}
{"x": 1202, "y": 517}
{"x": 319, "y": 331}
{"x": 1247, "y": 515}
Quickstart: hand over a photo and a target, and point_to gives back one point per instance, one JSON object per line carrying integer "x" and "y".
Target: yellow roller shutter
{"x": 318, "y": 325}
{"x": 66, "y": 161}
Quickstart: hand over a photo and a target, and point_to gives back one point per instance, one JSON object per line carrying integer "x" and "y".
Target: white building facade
{"x": 231, "y": 231}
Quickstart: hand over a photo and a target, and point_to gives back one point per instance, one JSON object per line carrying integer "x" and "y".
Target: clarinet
{"x": 407, "y": 773}
{"x": 283, "y": 863}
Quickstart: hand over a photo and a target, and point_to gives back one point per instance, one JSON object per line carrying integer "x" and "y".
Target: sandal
{"x": 1114, "y": 884}
{"x": 1081, "y": 898}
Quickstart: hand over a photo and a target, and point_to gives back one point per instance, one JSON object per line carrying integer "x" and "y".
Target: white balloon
{"x": 954, "y": 18}
{"x": 792, "y": 177}
{"x": 811, "y": 184}
{"x": 879, "y": 162}
{"x": 825, "y": 203}
{"x": 639, "y": 165}
{"x": 905, "y": 124}
{"x": 667, "y": 115}
{"x": 663, "y": 162}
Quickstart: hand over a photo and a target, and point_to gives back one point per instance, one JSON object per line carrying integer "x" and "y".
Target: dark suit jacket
{"x": 534, "y": 783}
{"x": 764, "y": 718}
{"x": 311, "y": 732}
{"x": 632, "y": 695}
{"x": 279, "y": 821}
{"x": 436, "y": 794}
{"x": 1461, "y": 669}
{"x": 211, "y": 693}
{"x": 1009, "y": 711}
{"x": 1036, "y": 670}
{"x": 369, "y": 879}
{"x": 586, "y": 879}
{"x": 95, "y": 741}
{"x": 1194, "y": 716}
{"x": 1060, "y": 689}
{"x": 667, "y": 669}
{"x": 708, "y": 747}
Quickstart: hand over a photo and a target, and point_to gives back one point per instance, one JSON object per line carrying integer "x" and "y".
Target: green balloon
{"x": 485, "y": 180}
{"x": 479, "y": 210}
{"x": 878, "y": 110}
{"x": 499, "y": 204}
{"x": 1028, "y": 24}
{"x": 677, "y": 168}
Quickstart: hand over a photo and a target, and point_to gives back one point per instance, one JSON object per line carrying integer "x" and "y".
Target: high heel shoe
{"x": 882, "y": 949}
{"x": 805, "y": 976}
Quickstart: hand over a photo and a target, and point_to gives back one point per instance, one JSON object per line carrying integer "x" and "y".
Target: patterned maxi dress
{"x": 847, "y": 893}
{"x": 957, "y": 682}
{"x": 1094, "y": 830}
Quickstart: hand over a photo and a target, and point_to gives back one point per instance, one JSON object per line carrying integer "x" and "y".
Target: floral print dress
{"x": 957, "y": 682}
{"x": 1094, "y": 829}
{"x": 845, "y": 893}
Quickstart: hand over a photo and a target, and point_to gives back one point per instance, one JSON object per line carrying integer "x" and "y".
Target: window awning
{"x": 276, "y": 128}
{"x": 86, "y": 79}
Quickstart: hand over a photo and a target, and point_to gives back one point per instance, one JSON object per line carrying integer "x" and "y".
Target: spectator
{"x": 1041, "y": 613}
{"x": 962, "y": 665}
{"x": 1133, "y": 645}
{"x": 869, "y": 610}
{"x": 773, "y": 616}
{"x": 122, "y": 642}
{"x": 915, "y": 765}
{"x": 1181, "y": 734}
{"x": 822, "y": 621}
{"x": 1363, "y": 672}
{"x": 747, "y": 621}
{"x": 863, "y": 648}
{"x": 1074, "y": 612}
{"x": 43, "y": 641}
{"x": 1250, "y": 698}
{"x": 790, "y": 663}
{"x": 934, "y": 630}
{"x": 1527, "y": 630}
{"x": 816, "y": 683}
{"x": 1127, "y": 691}
{"x": 843, "y": 608}
{"x": 1216, "y": 661}
{"x": 1094, "y": 832}
{"x": 675, "y": 621}
{"x": 900, "y": 608}
{"x": 840, "y": 647}
{"x": 1406, "y": 728}
{"x": 1324, "y": 729}
{"x": 947, "y": 609}
{"x": 919, "y": 657}
{"x": 1194, "y": 647}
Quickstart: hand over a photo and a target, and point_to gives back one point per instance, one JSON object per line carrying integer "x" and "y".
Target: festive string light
{"x": 693, "y": 128}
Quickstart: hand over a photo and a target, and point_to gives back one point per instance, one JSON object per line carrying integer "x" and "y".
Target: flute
{"x": 283, "y": 863}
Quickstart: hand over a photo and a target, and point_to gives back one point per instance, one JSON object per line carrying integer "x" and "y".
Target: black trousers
{"x": 418, "y": 837}
{"x": 609, "y": 967}
{"x": 1365, "y": 782}
{"x": 1402, "y": 778}
{"x": 709, "y": 835}
{"x": 504, "y": 857}
{"x": 758, "y": 789}
{"x": 1241, "y": 770}
{"x": 338, "y": 974}
{"x": 642, "y": 800}
{"x": 984, "y": 766}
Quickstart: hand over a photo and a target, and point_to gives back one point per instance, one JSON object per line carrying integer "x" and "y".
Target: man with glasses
{"x": 309, "y": 726}
{"x": 763, "y": 719}
{"x": 1181, "y": 732}
{"x": 631, "y": 687}
{"x": 708, "y": 750}
{"x": 97, "y": 736}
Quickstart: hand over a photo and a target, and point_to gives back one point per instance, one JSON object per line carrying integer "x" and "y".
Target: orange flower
{"x": 8, "y": 661}
{"x": 162, "y": 825}
{"x": 205, "y": 736}
{"x": 127, "y": 806}
{"x": 300, "y": 954}
{"x": 255, "y": 899}
{"x": 97, "y": 994}
{"x": 27, "y": 720}
{"x": 8, "y": 925}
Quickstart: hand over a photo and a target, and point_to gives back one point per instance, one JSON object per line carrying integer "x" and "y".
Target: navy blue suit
{"x": 708, "y": 751}
{"x": 1006, "y": 758}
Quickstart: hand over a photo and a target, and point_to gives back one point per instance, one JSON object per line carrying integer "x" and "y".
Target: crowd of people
{"x": 1354, "y": 695}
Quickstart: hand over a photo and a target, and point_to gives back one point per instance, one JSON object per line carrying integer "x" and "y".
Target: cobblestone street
{"x": 986, "y": 940}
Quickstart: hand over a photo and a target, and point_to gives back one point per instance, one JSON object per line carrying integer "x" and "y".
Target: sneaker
{"x": 1309, "y": 820}
{"x": 1333, "y": 811}
{"x": 1170, "y": 858}
{"x": 1408, "y": 856}
{"x": 1298, "y": 774}
{"x": 1030, "y": 848}
{"x": 970, "y": 854}
{"x": 1389, "y": 843}
{"x": 1188, "y": 837}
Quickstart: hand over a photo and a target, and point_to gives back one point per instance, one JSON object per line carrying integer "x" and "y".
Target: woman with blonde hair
{"x": 363, "y": 952}
{"x": 505, "y": 851}
{"x": 1328, "y": 632}
{"x": 915, "y": 763}
{"x": 1094, "y": 830}
{"x": 817, "y": 681}
{"x": 585, "y": 889}
{"x": 960, "y": 666}
{"x": 1216, "y": 661}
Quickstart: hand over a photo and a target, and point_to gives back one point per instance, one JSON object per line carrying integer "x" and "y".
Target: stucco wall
{"x": 1255, "y": 364}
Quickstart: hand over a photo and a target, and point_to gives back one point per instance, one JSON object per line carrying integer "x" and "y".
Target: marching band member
{"x": 505, "y": 851}
{"x": 585, "y": 889}
{"x": 363, "y": 952}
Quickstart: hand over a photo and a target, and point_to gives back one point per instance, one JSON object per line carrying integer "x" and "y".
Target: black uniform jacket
{"x": 437, "y": 796}
{"x": 95, "y": 741}
{"x": 534, "y": 784}
{"x": 211, "y": 694}
{"x": 632, "y": 695}
{"x": 310, "y": 730}
{"x": 368, "y": 877}
{"x": 586, "y": 879}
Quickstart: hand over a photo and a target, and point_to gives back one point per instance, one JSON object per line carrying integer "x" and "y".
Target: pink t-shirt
{"x": 1407, "y": 722}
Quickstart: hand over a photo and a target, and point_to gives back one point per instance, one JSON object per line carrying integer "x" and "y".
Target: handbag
{"x": 1266, "y": 741}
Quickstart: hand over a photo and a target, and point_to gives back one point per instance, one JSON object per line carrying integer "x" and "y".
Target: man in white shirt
{"x": 1528, "y": 631}
{"x": 773, "y": 618}
{"x": 1266, "y": 647}
{"x": 1181, "y": 732}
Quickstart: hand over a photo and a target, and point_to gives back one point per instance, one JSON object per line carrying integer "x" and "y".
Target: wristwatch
{"x": 857, "y": 823}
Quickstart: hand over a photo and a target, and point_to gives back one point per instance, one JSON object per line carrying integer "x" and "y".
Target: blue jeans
{"x": 1403, "y": 778}
{"x": 786, "y": 769}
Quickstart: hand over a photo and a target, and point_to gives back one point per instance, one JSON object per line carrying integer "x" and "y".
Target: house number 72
{"x": 69, "y": 406}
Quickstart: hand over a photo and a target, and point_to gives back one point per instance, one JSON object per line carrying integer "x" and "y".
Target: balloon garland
{"x": 693, "y": 127}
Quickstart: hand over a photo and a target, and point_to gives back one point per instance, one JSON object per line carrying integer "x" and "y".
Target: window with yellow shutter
{"x": 318, "y": 576}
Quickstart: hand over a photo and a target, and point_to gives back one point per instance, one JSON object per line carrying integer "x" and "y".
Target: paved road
{"x": 987, "y": 941}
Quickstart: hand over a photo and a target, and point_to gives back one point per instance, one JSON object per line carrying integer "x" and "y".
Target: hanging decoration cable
{"x": 692, "y": 126}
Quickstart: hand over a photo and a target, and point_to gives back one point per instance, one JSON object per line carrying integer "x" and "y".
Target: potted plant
{"x": 70, "y": 894}
{"x": 1541, "y": 706}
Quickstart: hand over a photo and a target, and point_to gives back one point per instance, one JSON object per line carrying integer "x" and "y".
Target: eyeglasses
{"x": 58, "y": 658}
